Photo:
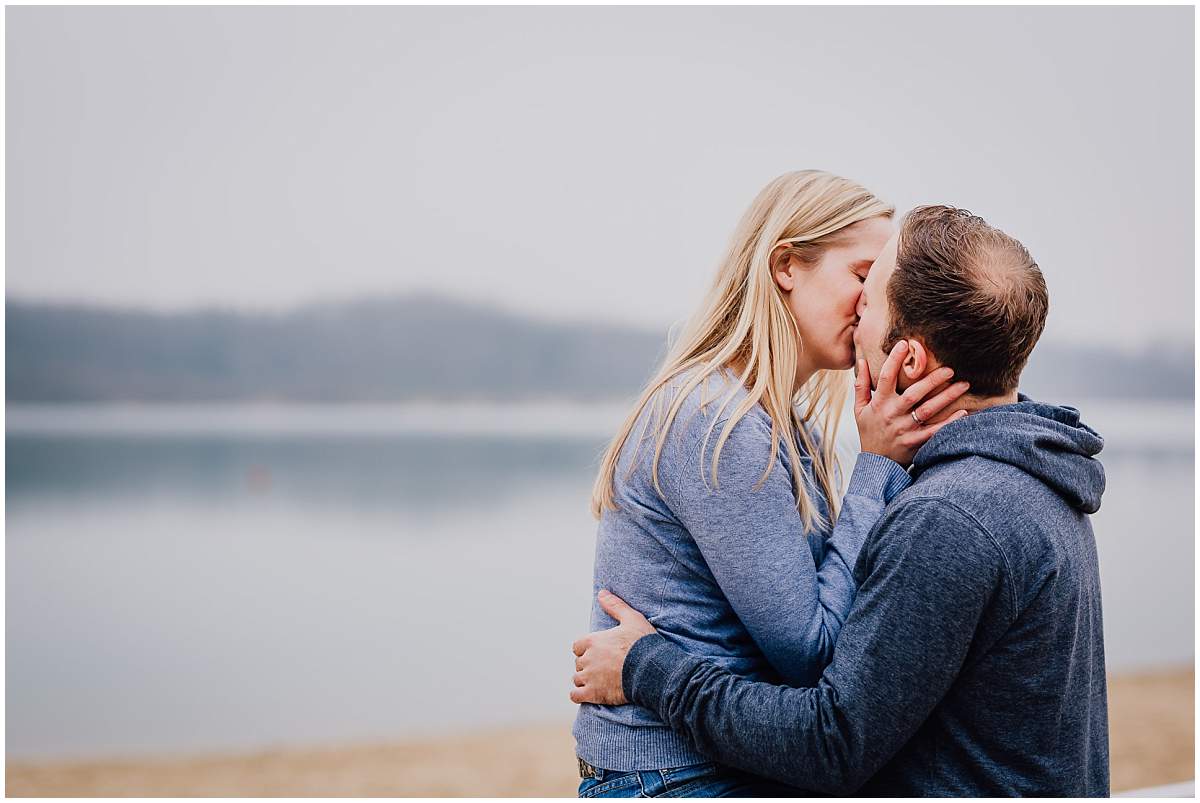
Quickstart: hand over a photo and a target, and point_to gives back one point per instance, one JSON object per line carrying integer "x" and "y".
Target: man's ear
{"x": 782, "y": 267}
{"x": 917, "y": 362}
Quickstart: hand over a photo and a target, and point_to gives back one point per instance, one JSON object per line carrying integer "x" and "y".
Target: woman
{"x": 716, "y": 516}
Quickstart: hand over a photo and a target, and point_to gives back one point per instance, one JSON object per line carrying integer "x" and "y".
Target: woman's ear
{"x": 782, "y": 267}
{"x": 916, "y": 361}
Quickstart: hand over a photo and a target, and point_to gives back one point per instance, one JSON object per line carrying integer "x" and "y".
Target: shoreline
{"x": 1151, "y": 726}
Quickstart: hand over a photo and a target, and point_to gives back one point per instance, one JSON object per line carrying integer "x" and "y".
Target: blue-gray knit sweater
{"x": 724, "y": 571}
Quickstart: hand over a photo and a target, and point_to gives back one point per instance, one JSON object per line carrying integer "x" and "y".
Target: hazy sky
{"x": 582, "y": 162}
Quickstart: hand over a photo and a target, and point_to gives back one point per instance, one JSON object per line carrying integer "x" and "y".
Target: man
{"x": 972, "y": 661}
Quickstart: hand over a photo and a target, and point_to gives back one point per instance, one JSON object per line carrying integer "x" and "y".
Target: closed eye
{"x": 861, "y": 269}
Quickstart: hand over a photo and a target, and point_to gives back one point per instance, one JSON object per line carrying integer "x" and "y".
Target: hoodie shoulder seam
{"x": 1008, "y": 573}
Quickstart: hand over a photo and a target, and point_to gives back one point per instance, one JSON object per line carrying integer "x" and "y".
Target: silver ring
{"x": 913, "y": 413}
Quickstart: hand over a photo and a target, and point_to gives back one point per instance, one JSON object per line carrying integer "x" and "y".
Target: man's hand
{"x": 600, "y": 656}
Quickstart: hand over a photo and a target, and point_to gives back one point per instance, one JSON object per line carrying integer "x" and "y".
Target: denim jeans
{"x": 697, "y": 780}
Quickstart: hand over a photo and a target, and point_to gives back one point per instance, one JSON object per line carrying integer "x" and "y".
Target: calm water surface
{"x": 216, "y": 578}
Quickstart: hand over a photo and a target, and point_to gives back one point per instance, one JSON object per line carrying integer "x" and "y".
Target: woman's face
{"x": 823, "y": 297}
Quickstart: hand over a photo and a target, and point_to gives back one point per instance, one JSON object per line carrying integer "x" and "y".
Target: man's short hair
{"x": 971, "y": 293}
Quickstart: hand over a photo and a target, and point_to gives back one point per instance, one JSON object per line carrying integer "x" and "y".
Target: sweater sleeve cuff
{"x": 652, "y": 668}
{"x": 877, "y": 477}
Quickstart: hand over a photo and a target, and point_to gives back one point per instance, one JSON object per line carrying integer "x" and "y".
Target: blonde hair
{"x": 745, "y": 321}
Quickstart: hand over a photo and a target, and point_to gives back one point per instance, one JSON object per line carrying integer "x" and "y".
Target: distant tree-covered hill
{"x": 415, "y": 347}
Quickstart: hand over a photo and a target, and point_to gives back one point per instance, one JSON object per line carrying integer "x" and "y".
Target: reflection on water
{"x": 389, "y": 472}
{"x": 180, "y": 587}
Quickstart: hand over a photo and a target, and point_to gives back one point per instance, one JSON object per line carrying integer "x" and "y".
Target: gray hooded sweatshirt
{"x": 972, "y": 660}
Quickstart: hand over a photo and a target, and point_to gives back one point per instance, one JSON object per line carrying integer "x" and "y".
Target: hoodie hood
{"x": 1043, "y": 440}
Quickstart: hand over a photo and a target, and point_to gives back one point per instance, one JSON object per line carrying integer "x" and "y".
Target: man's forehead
{"x": 886, "y": 262}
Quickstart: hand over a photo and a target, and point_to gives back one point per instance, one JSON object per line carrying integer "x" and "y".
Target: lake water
{"x": 230, "y": 577}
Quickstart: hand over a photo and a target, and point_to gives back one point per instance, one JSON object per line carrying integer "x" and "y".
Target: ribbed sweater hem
{"x": 623, "y": 748}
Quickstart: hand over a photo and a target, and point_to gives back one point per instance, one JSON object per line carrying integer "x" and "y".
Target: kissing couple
{"x": 935, "y": 628}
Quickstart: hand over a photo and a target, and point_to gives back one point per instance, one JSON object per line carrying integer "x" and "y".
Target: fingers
{"x": 862, "y": 386}
{"x": 581, "y": 692}
{"x": 941, "y": 401}
{"x": 923, "y": 387}
{"x": 585, "y": 694}
{"x": 578, "y": 664}
{"x": 581, "y": 645}
{"x": 615, "y": 607}
{"x": 891, "y": 368}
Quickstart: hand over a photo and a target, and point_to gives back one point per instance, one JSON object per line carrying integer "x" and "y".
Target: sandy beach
{"x": 1151, "y": 722}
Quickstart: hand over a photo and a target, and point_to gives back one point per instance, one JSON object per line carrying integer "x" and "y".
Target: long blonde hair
{"x": 745, "y": 321}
